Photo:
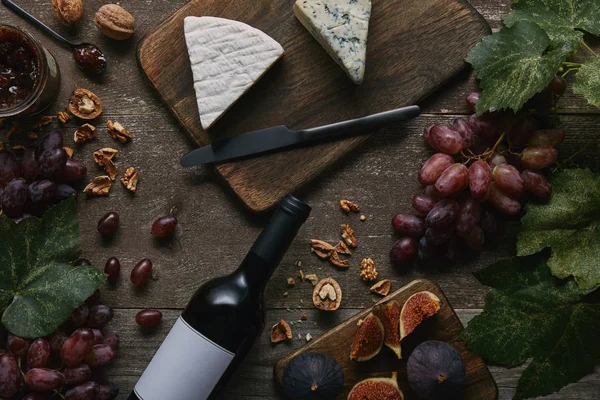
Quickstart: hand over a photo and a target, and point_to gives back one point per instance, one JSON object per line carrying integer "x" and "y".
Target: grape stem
{"x": 588, "y": 48}
{"x": 568, "y": 71}
{"x": 581, "y": 150}
{"x": 59, "y": 394}
{"x": 571, "y": 64}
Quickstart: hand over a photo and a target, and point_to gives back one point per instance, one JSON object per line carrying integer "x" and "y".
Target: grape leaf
{"x": 39, "y": 288}
{"x": 587, "y": 81}
{"x": 513, "y": 65}
{"x": 569, "y": 224}
{"x": 563, "y": 20}
{"x": 532, "y": 315}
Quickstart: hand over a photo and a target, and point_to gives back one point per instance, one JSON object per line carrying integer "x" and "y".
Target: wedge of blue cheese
{"x": 227, "y": 58}
{"x": 342, "y": 28}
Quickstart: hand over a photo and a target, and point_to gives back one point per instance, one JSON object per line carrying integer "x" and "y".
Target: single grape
{"x": 14, "y": 198}
{"x": 436, "y": 237}
{"x": 427, "y": 252}
{"x": 108, "y": 224}
{"x": 36, "y": 396}
{"x": 521, "y": 130}
{"x": 141, "y": 273}
{"x": 44, "y": 379}
{"x": 17, "y": 346}
{"x": 41, "y": 191}
{"x": 72, "y": 171}
{"x": 547, "y": 137}
{"x": 468, "y": 216}
{"x": 109, "y": 391}
{"x": 9, "y": 168}
{"x": 536, "y": 184}
{"x": 403, "y": 250}
{"x": 508, "y": 180}
{"x": 432, "y": 192}
{"x": 491, "y": 222}
{"x": 164, "y": 226}
{"x": 77, "y": 375}
{"x": 52, "y": 162}
{"x": 538, "y": 157}
{"x": 99, "y": 316}
{"x": 111, "y": 338}
{"x": 38, "y": 354}
{"x": 409, "y": 225}
{"x": 148, "y": 317}
{"x": 558, "y": 85}
{"x": 502, "y": 202}
{"x": 434, "y": 167}
{"x": 10, "y": 377}
{"x": 427, "y": 133}
{"x": 101, "y": 355}
{"x": 79, "y": 316}
{"x": 480, "y": 179}
{"x": 475, "y": 239}
{"x": 98, "y": 336}
{"x": 443, "y": 215}
{"x": 514, "y": 159}
{"x": 82, "y": 261}
{"x": 112, "y": 269}
{"x": 451, "y": 250}
{"x": 484, "y": 127}
{"x": 472, "y": 99}
{"x": 76, "y": 347}
{"x": 497, "y": 159}
{"x": 57, "y": 341}
{"x": 445, "y": 139}
{"x": 52, "y": 140}
{"x": 454, "y": 179}
{"x": 85, "y": 391}
{"x": 423, "y": 203}
{"x": 461, "y": 126}
{"x": 64, "y": 192}
{"x": 29, "y": 164}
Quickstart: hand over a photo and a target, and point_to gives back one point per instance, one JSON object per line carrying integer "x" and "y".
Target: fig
{"x": 419, "y": 306}
{"x": 377, "y": 389}
{"x": 389, "y": 314}
{"x": 312, "y": 376}
{"x": 436, "y": 371}
{"x": 368, "y": 340}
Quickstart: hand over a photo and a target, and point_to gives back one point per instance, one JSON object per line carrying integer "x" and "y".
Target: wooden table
{"x": 215, "y": 231}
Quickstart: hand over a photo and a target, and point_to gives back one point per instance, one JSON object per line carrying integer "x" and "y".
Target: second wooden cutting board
{"x": 414, "y": 47}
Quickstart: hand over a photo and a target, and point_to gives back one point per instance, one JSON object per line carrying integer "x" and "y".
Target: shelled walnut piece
{"x": 84, "y": 133}
{"x": 100, "y": 186}
{"x": 348, "y": 235}
{"x": 327, "y": 295}
{"x": 280, "y": 332}
{"x": 117, "y": 131}
{"x": 84, "y": 104}
{"x": 63, "y": 117}
{"x": 368, "y": 272}
{"x": 348, "y": 206}
{"x": 130, "y": 179}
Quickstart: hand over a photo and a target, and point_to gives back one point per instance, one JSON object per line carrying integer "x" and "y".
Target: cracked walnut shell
{"x": 382, "y": 287}
{"x": 84, "y": 104}
{"x": 103, "y": 157}
{"x": 117, "y": 131}
{"x": 84, "y": 133}
{"x": 281, "y": 331}
{"x": 367, "y": 270}
{"x": 327, "y": 295}
{"x": 130, "y": 179}
{"x": 100, "y": 186}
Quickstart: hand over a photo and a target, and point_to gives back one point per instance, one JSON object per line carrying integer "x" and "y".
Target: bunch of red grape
{"x": 68, "y": 365}
{"x": 40, "y": 179}
{"x": 471, "y": 187}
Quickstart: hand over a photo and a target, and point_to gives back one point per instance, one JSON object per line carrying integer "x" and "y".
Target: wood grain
{"x": 414, "y": 47}
{"x": 444, "y": 326}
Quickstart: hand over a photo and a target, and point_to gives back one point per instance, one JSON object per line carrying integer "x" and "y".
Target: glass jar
{"x": 29, "y": 75}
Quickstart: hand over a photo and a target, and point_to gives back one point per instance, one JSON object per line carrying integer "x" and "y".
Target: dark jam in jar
{"x": 19, "y": 68}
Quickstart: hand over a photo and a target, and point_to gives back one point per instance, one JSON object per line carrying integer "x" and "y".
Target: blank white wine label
{"x": 186, "y": 366}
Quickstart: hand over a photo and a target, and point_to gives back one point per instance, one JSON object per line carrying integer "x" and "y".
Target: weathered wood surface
{"x": 215, "y": 231}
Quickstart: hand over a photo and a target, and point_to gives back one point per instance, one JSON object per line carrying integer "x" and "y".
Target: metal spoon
{"x": 87, "y": 56}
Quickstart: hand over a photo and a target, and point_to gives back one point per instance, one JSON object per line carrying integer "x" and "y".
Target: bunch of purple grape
{"x": 484, "y": 170}
{"x": 40, "y": 179}
{"x": 68, "y": 365}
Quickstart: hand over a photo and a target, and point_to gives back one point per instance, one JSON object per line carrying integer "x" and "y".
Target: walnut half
{"x": 117, "y": 131}
{"x": 84, "y": 104}
{"x": 327, "y": 295}
{"x": 368, "y": 272}
{"x": 84, "y": 133}
{"x": 130, "y": 179}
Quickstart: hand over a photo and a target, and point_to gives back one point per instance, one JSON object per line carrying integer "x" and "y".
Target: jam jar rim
{"x": 40, "y": 83}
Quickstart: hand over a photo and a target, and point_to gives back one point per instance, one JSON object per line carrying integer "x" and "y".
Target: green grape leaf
{"x": 532, "y": 315}
{"x": 513, "y": 65}
{"x": 563, "y": 20}
{"x": 39, "y": 288}
{"x": 569, "y": 224}
{"x": 587, "y": 81}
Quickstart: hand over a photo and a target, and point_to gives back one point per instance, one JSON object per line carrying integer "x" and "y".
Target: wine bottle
{"x": 222, "y": 320}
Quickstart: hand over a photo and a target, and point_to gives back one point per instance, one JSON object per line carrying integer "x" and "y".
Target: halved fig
{"x": 389, "y": 314}
{"x": 368, "y": 340}
{"x": 377, "y": 389}
{"x": 419, "y": 306}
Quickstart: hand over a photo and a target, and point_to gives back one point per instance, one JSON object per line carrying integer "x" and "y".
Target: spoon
{"x": 87, "y": 56}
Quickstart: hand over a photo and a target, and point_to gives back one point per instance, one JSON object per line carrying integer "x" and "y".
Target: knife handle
{"x": 361, "y": 126}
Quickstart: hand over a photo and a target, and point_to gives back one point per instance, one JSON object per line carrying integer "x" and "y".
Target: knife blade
{"x": 279, "y": 137}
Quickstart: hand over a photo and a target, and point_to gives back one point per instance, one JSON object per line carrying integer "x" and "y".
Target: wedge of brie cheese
{"x": 341, "y": 27}
{"x": 227, "y": 58}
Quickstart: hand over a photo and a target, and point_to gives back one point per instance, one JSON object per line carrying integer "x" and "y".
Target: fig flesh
{"x": 436, "y": 371}
{"x": 368, "y": 340}
{"x": 418, "y": 307}
{"x": 389, "y": 314}
{"x": 312, "y": 376}
{"x": 377, "y": 389}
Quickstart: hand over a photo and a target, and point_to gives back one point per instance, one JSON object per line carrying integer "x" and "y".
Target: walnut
{"x": 363, "y": 218}
{"x": 84, "y": 104}
{"x": 63, "y": 117}
{"x": 341, "y": 248}
{"x": 32, "y": 135}
{"x": 382, "y": 287}
{"x": 348, "y": 235}
{"x": 291, "y": 281}
{"x": 103, "y": 157}
{"x": 321, "y": 249}
{"x": 281, "y": 331}
{"x": 100, "y": 186}
{"x": 115, "y": 22}
{"x": 130, "y": 179}
{"x": 68, "y": 12}
{"x": 368, "y": 272}
{"x": 69, "y": 151}
{"x": 18, "y": 147}
{"x": 335, "y": 259}
{"x": 312, "y": 278}
{"x": 85, "y": 133}
{"x": 348, "y": 206}
{"x": 304, "y": 317}
{"x": 327, "y": 295}
{"x": 118, "y": 132}
{"x": 44, "y": 121}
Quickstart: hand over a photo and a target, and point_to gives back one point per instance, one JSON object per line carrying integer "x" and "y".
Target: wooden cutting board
{"x": 444, "y": 326}
{"x": 413, "y": 48}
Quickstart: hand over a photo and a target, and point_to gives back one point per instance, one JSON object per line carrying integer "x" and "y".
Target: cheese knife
{"x": 278, "y": 137}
